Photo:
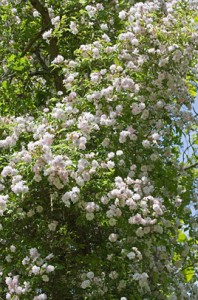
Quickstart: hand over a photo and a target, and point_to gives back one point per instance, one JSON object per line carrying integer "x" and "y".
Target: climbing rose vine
{"x": 95, "y": 199}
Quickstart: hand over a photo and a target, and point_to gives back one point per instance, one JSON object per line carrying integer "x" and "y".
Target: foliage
{"x": 94, "y": 100}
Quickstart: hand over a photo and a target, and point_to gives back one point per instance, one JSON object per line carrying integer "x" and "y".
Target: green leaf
{"x": 11, "y": 58}
{"x": 4, "y": 84}
{"x": 188, "y": 273}
{"x": 181, "y": 237}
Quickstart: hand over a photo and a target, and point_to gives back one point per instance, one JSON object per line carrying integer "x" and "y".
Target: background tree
{"x": 94, "y": 197}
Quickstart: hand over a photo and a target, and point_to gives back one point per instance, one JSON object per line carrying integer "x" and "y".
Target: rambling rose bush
{"x": 94, "y": 198}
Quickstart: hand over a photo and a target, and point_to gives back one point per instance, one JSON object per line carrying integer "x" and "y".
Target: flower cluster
{"x": 35, "y": 266}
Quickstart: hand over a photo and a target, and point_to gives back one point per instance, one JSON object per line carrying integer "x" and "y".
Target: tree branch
{"x": 33, "y": 41}
{"x": 43, "y": 11}
{"x": 53, "y": 47}
{"x": 38, "y": 73}
{"x": 41, "y": 60}
{"x": 191, "y": 166}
